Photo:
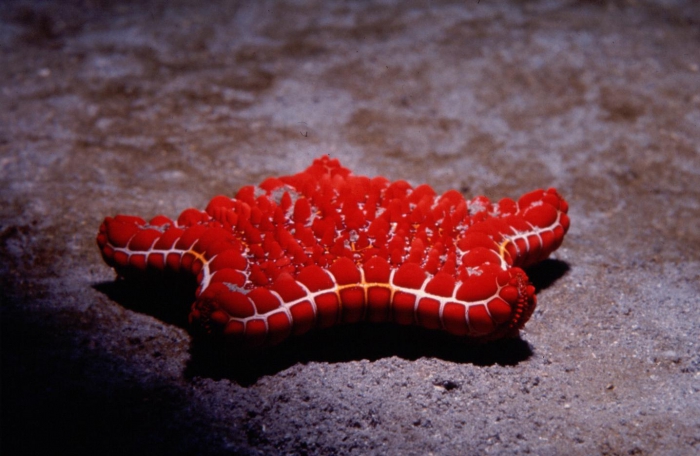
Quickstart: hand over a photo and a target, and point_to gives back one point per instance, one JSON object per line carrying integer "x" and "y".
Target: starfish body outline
{"x": 324, "y": 247}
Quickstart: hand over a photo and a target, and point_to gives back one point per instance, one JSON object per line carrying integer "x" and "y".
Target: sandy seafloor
{"x": 148, "y": 107}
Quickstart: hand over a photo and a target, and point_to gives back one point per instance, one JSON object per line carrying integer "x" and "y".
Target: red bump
{"x": 129, "y": 219}
{"x": 396, "y": 255}
{"x": 234, "y": 329}
{"x": 285, "y": 202}
{"x": 210, "y": 293}
{"x": 303, "y": 317}
{"x": 257, "y": 276}
{"x": 246, "y": 194}
{"x": 235, "y": 304}
{"x": 447, "y": 225}
{"x": 219, "y": 202}
{"x": 410, "y": 275}
{"x": 102, "y": 236}
{"x": 107, "y": 253}
{"x": 521, "y": 247}
{"x": 441, "y": 285}
{"x": 403, "y": 308}
{"x": 480, "y": 256}
{"x": 327, "y": 309}
{"x": 394, "y": 210}
{"x": 480, "y": 204}
{"x": 550, "y": 197}
{"x": 460, "y": 213}
{"x": 451, "y": 198}
{"x": 398, "y": 189}
{"x": 305, "y": 235}
{"x": 197, "y": 266}
{"x": 121, "y": 229}
{"x": 564, "y": 221}
{"x": 255, "y": 332}
{"x": 345, "y": 271}
{"x": 499, "y": 310}
{"x": 516, "y": 223}
{"x": 415, "y": 251}
{"x": 422, "y": 192}
{"x": 433, "y": 262}
{"x": 542, "y": 216}
{"x": 473, "y": 239}
{"x": 323, "y": 226}
{"x": 156, "y": 261}
{"x": 256, "y": 216}
{"x": 243, "y": 209}
{"x": 251, "y": 234}
{"x": 190, "y": 237}
{"x": 191, "y": 217}
{"x": 121, "y": 258}
{"x": 450, "y": 264}
{"x": 271, "y": 183}
{"x": 160, "y": 220}
{"x": 377, "y": 270}
{"x": 256, "y": 251}
{"x": 219, "y": 317}
{"x": 228, "y": 276}
{"x": 529, "y": 198}
{"x": 174, "y": 260}
{"x": 547, "y": 242}
{"x": 534, "y": 243}
{"x": 264, "y": 300}
{"x": 302, "y": 211}
{"x": 477, "y": 288}
{"x": 229, "y": 219}
{"x": 479, "y": 320}
{"x": 507, "y": 206}
{"x": 503, "y": 278}
{"x": 188, "y": 260}
{"x": 228, "y": 259}
{"x": 315, "y": 278}
{"x": 272, "y": 248}
{"x": 352, "y": 301}
{"x": 455, "y": 320}
{"x": 138, "y": 261}
{"x": 212, "y": 237}
{"x": 354, "y": 219}
{"x": 510, "y": 294}
{"x": 378, "y": 300}
{"x": 288, "y": 288}
{"x": 563, "y": 205}
{"x": 428, "y": 313}
{"x": 378, "y": 228}
{"x": 559, "y": 234}
{"x": 282, "y": 262}
{"x": 168, "y": 239}
{"x": 279, "y": 327}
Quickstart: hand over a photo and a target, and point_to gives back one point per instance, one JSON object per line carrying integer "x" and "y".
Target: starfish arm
{"x": 490, "y": 307}
{"x": 136, "y": 248}
{"x": 133, "y": 247}
{"x": 538, "y": 227}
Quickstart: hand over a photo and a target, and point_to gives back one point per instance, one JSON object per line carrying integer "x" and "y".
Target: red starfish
{"x": 324, "y": 246}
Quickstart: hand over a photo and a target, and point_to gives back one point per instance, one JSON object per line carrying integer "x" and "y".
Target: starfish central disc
{"x": 325, "y": 246}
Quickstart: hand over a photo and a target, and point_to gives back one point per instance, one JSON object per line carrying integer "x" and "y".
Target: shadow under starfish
{"x": 168, "y": 298}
